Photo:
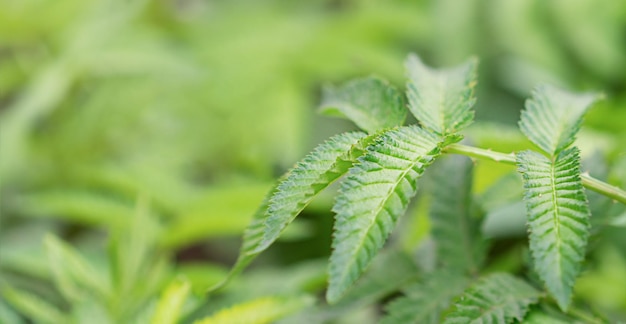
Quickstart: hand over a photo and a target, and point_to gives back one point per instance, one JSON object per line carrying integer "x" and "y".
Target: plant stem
{"x": 588, "y": 181}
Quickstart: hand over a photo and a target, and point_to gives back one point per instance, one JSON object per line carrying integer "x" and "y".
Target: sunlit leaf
{"x": 171, "y": 301}
{"x": 258, "y": 311}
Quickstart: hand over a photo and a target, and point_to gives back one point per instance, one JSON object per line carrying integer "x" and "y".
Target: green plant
{"x": 379, "y": 172}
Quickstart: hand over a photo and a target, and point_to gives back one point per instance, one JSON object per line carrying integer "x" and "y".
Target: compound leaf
{"x": 376, "y": 192}
{"x": 553, "y": 117}
{"x": 499, "y": 298}
{"x": 371, "y": 103}
{"x": 458, "y": 241}
{"x": 425, "y": 301}
{"x": 558, "y": 218}
{"x": 316, "y": 171}
{"x": 441, "y": 100}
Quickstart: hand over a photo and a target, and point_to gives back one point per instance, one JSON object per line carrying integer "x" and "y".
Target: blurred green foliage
{"x": 188, "y": 109}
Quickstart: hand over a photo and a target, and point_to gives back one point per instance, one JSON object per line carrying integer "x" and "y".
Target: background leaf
{"x": 424, "y": 302}
{"x": 454, "y": 227}
{"x": 498, "y": 298}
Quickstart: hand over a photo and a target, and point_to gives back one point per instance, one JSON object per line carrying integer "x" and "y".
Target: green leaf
{"x": 315, "y": 172}
{"x": 371, "y": 103}
{"x": 74, "y": 276}
{"x": 553, "y": 117}
{"x": 456, "y": 233}
{"x": 536, "y": 316}
{"x": 294, "y": 191}
{"x": 372, "y": 198}
{"x": 390, "y": 270}
{"x": 259, "y": 311}
{"x": 425, "y": 301}
{"x": 33, "y": 306}
{"x": 171, "y": 302}
{"x": 441, "y": 99}
{"x": 499, "y": 298}
{"x": 558, "y": 218}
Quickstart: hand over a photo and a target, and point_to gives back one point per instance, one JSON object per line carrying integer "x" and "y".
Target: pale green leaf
{"x": 537, "y": 316}
{"x": 371, "y": 103}
{"x": 425, "y": 301}
{"x": 258, "y": 311}
{"x": 456, "y": 233}
{"x": 441, "y": 100}
{"x": 171, "y": 302}
{"x": 133, "y": 250}
{"x": 499, "y": 298}
{"x": 372, "y": 198}
{"x": 315, "y": 172}
{"x": 553, "y": 117}
{"x": 558, "y": 218}
{"x": 33, "y": 306}
{"x": 74, "y": 276}
{"x": 390, "y": 270}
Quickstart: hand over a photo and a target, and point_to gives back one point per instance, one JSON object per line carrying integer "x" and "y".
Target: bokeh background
{"x": 186, "y": 111}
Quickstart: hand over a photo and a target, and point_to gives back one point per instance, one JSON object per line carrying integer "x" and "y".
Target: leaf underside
{"x": 375, "y": 193}
{"x": 441, "y": 99}
{"x": 424, "y": 302}
{"x": 498, "y": 298}
{"x": 456, "y": 233}
{"x": 553, "y": 117}
{"x": 371, "y": 103}
{"x": 316, "y": 171}
{"x": 558, "y": 218}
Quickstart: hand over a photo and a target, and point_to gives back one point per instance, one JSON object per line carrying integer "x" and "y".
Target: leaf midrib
{"x": 557, "y": 224}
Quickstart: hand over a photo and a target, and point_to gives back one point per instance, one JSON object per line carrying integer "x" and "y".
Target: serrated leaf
{"x": 558, "y": 218}
{"x": 425, "y": 301}
{"x": 499, "y": 298}
{"x": 456, "y": 233}
{"x": 327, "y": 163}
{"x": 372, "y": 198}
{"x": 441, "y": 99}
{"x": 371, "y": 103}
{"x": 259, "y": 311}
{"x": 171, "y": 301}
{"x": 553, "y": 117}
{"x": 315, "y": 172}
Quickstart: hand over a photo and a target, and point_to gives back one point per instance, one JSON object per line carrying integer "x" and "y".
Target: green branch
{"x": 588, "y": 181}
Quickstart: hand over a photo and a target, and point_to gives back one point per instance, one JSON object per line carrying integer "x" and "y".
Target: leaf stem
{"x": 588, "y": 181}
